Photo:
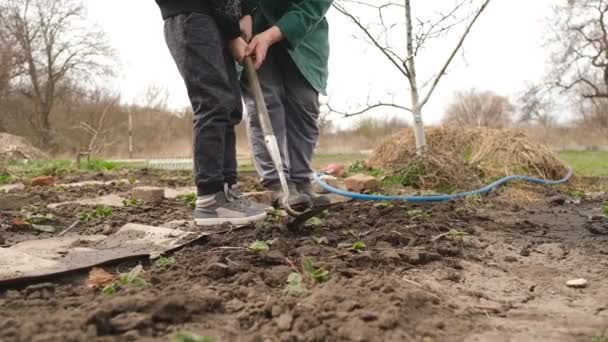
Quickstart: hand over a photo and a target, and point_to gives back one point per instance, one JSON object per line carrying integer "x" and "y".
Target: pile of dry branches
{"x": 464, "y": 158}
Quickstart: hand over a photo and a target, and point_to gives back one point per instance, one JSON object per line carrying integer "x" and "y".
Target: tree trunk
{"x": 413, "y": 84}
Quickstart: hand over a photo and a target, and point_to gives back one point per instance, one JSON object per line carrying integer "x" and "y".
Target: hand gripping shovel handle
{"x": 269, "y": 137}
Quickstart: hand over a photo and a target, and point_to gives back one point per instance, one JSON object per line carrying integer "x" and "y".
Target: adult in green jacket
{"x": 290, "y": 47}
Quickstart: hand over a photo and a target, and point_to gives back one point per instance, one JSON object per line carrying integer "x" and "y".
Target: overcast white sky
{"x": 502, "y": 54}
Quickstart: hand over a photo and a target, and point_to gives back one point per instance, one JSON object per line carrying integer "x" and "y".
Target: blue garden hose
{"x": 442, "y": 198}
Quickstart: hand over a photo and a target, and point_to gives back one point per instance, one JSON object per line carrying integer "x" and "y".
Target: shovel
{"x": 269, "y": 138}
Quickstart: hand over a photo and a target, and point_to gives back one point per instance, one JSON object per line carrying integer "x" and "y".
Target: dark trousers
{"x": 293, "y": 105}
{"x": 209, "y": 72}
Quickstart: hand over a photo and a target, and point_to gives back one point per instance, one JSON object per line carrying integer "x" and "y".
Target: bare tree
{"x": 535, "y": 106}
{"x": 418, "y": 33}
{"x": 580, "y": 61}
{"x": 580, "y": 39}
{"x": 479, "y": 109}
{"x": 54, "y": 45}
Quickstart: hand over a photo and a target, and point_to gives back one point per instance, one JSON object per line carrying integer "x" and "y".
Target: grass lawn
{"x": 586, "y": 163}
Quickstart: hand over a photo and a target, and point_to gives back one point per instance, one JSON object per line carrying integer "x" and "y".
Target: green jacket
{"x": 305, "y": 29}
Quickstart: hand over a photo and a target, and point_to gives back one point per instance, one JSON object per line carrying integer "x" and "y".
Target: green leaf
{"x": 259, "y": 246}
{"x": 383, "y": 205}
{"x": 295, "y": 285}
{"x": 316, "y": 275}
{"x": 314, "y": 222}
{"x": 605, "y": 208}
{"x": 456, "y": 234}
{"x": 417, "y": 215}
{"x": 359, "y": 246}
{"x": 164, "y": 262}
{"x": 320, "y": 240}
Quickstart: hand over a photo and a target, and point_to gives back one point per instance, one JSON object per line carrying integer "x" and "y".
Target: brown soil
{"x": 504, "y": 280}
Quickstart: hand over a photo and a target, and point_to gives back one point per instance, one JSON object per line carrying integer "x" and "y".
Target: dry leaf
{"x": 99, "y": 278}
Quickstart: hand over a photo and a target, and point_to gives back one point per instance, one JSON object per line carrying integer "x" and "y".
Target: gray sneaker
{"x": 224, "y": 208}
{"x": 236, "y": 194}
{"x": 296, "y": 200}
{"x": 317, "y": 200}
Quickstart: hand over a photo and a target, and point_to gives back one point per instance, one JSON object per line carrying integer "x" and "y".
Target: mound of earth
{"x": 14, "y": 147}
{"x": 465, "y": 157}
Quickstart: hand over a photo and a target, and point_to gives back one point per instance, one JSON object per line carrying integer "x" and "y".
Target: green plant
{"x": 5, "y": 178}
{"x": 313, "y": 274}
{"x": 39, "y": 218}
{"x": 164, "y": 262}
{"x": 417, "y": 215}
{"x": 456, "y": 234}
{"x": 189, "y": 198}
{"x": 605, "y": 208}
{"x": 576, "y": 193}
{"x": 133, "y": 278}
{"x": 295, "y": 285}
{"x": 600, "y": 337}
{"x": 473, "y": 201}
{"x": 314, "y": 222}
{"x": 383, "y": 205}
{"x": 132, "y": 203}
{"x": 185, "y": 336}
{"x": 358, "y": 246}
{"x": 85, "y": 216}
{"x": 103, "y": 211}
{"x": 320, "y": 240}
{"x": 101, "y": 165}
{"x": 260, "y": 246}
{"x": 357, "y": 166}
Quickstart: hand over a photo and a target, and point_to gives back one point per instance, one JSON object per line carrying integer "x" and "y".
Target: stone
{"x": 43, "y": 181}
{"x": 557, "y": 200}
{"x": 264, "y": 197}
{"x": 7, "y": 189}
{"x": 111, "y": 200}
{"x": 148, "y": 194}
{"x": 12, "y": 202}
{"x": 330, "y": 180}
{"x": 43, "y": 228}
{"x": 577, "y": 283}
{"x": 284, "y": 322}
{"x": 176, "y": 192}
{"x": 361, "y": 183}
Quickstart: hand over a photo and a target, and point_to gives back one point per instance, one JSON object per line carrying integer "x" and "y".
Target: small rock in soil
{"x": 43, "y": 228}
{"x": 284, "y": 322}
{"x": 557, "y": 200}
{"x": 510, "y": 259}
{"x": 12, "y": 188}
{"x": 148, "y": 194}
{"x": 577, "y": 283}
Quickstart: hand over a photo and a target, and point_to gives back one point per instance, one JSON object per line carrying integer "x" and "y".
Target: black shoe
{"x": 296, "y": 200}
{"x": 317, "y": 200}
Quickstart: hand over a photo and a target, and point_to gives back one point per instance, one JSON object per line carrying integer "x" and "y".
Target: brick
{"x": 264, "y": 197}
{"x": 43, "y": 181}
{"x": 337, "y": 170}
{"x": 148, "y": 194}
{"x": 330, "y": 180}
{"x": 362, "y": 183}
